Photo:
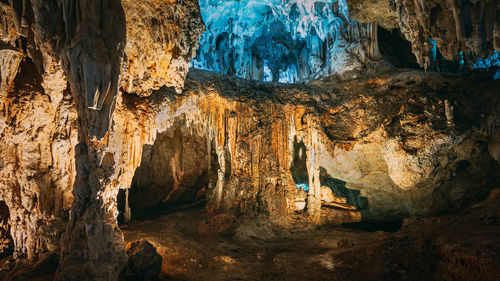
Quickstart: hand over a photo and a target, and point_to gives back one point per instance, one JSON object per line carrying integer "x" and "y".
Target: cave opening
{"x": 175, "y": 174}
{"x": 299, "y": 166}
{"x": 6, "y": 243}
{"x": 396, "y": 49}
{"x": 300, "y": 176}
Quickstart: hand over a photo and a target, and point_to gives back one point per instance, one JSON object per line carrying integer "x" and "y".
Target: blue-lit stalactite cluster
{"x": 441, "y": 64}
{"x": 492, "y": 62}
{"x": 296, "y": 40}
{"x": 270, "y": 40}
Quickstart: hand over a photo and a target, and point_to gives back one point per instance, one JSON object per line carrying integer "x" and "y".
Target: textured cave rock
{"x": 144, "y": 260}
{"x": 392, "y": 147}
{"x": 356, "y": 138}
{"x": 379, "y": 11}
{"x": 177, "y": 169}
{"x": 85, "y": 95}
{"x": 37, "y": 167}
{"x": 118, "y": 44}
{"x": 285, "y": 41}
{"x": 73, "y": 57}
{"x": 472, "y": 27}
{"x": 385, "y": 146}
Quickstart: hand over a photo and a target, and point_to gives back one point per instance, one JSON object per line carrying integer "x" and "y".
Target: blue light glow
{"x": 489, "y": 62}
{"x": 497, "y": 75}
{"x": 433, "y": 51}
{"x": 304, "y": 186}
{"x": 271, "y": 40}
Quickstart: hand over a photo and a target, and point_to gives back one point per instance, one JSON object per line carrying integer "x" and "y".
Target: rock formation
{"x": 74, "y": 58}
{"x": 94, "y": 99}
{"x": 144, "y": 260}
{"x": 472, "y": 27}
{"x": 286, "y": 41}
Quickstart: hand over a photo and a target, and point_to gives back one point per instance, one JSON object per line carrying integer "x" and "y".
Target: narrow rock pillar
{"x": 128, "y": 212}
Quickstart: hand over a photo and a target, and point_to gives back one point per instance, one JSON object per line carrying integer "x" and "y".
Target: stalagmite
{"x": 449, "y": 114}
{"x": 221, "y": 175}
{"x": 128, "y": 211}
{"x": 314, "y": 195}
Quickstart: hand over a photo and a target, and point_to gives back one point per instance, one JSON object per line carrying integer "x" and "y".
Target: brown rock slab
{"x": 144, "y": 260}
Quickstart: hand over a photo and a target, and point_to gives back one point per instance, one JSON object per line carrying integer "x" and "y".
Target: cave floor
{"x": 198, "y": 246}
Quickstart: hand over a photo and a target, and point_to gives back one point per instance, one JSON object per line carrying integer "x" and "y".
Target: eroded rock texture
{"x": 71, "y": 58}
{"x": 286, "y": 40}
{"x": 402, "y": 160}
{"x": 144, "y": 260}
{"x": 469, "y": 26}
{"x": 85, "y": 87}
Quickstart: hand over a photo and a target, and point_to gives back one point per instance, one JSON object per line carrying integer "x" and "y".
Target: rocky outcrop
{"x": 367, "y": 155}
{"x": 396, "y": 146}
{"x": 469, "y": 26}
{"x": 378, "y": 11}
{"x": 38, "y": 137}
{"x": 74, "y": 58}
{"x": 144, "y": 260}
{"x": 85, "y": 86}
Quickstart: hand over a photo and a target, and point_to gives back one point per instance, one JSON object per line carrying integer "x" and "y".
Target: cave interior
{"x": 249, "y": 140}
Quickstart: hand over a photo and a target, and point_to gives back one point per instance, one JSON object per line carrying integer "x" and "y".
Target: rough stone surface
{"x": 160, "y": 44}
{"x": 144, "y": 260}
{"x": 83, "y": 92}
{"x": 38, "y": 137}
{"x": 379, "y": 11}
{"x": 74, "y": 57}
{"x": 469, "y": 26}
{"x": 461, "y": 246}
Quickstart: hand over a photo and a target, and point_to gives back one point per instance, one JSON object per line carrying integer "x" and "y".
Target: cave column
{"x": 209, "y": 149}
{"x": 374, "y": 51}
{"x": 221, "y": 173}
{"x": 128, "y": 211}
{"x": 314, "y": 196}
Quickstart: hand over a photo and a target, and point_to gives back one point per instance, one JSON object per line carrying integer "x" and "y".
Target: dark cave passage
{"x": 298, "y": 167}
{"x": 176, "y": 172}
{"x": 6, "y": 244}
{"x": 396, "y": 49}
{"x": 300, "y": 176}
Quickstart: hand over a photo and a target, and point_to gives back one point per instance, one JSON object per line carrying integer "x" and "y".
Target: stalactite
{"x": 292, "y": 135}
{"x": 452, "y": 5}
{"x": 374, "y": 51}
{"x": 209, "y": 147}
{"x": 280, "y": 141}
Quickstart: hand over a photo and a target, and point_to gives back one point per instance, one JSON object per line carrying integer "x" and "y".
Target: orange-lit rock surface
{"x": 384, "y": 145}
{"x": 93, "y": 101}
{"x": 195, "y": 246}
{"x": 62, "y": 66}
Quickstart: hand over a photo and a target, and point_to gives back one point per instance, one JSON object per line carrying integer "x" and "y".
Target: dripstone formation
{"x": 96, "y": 100}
